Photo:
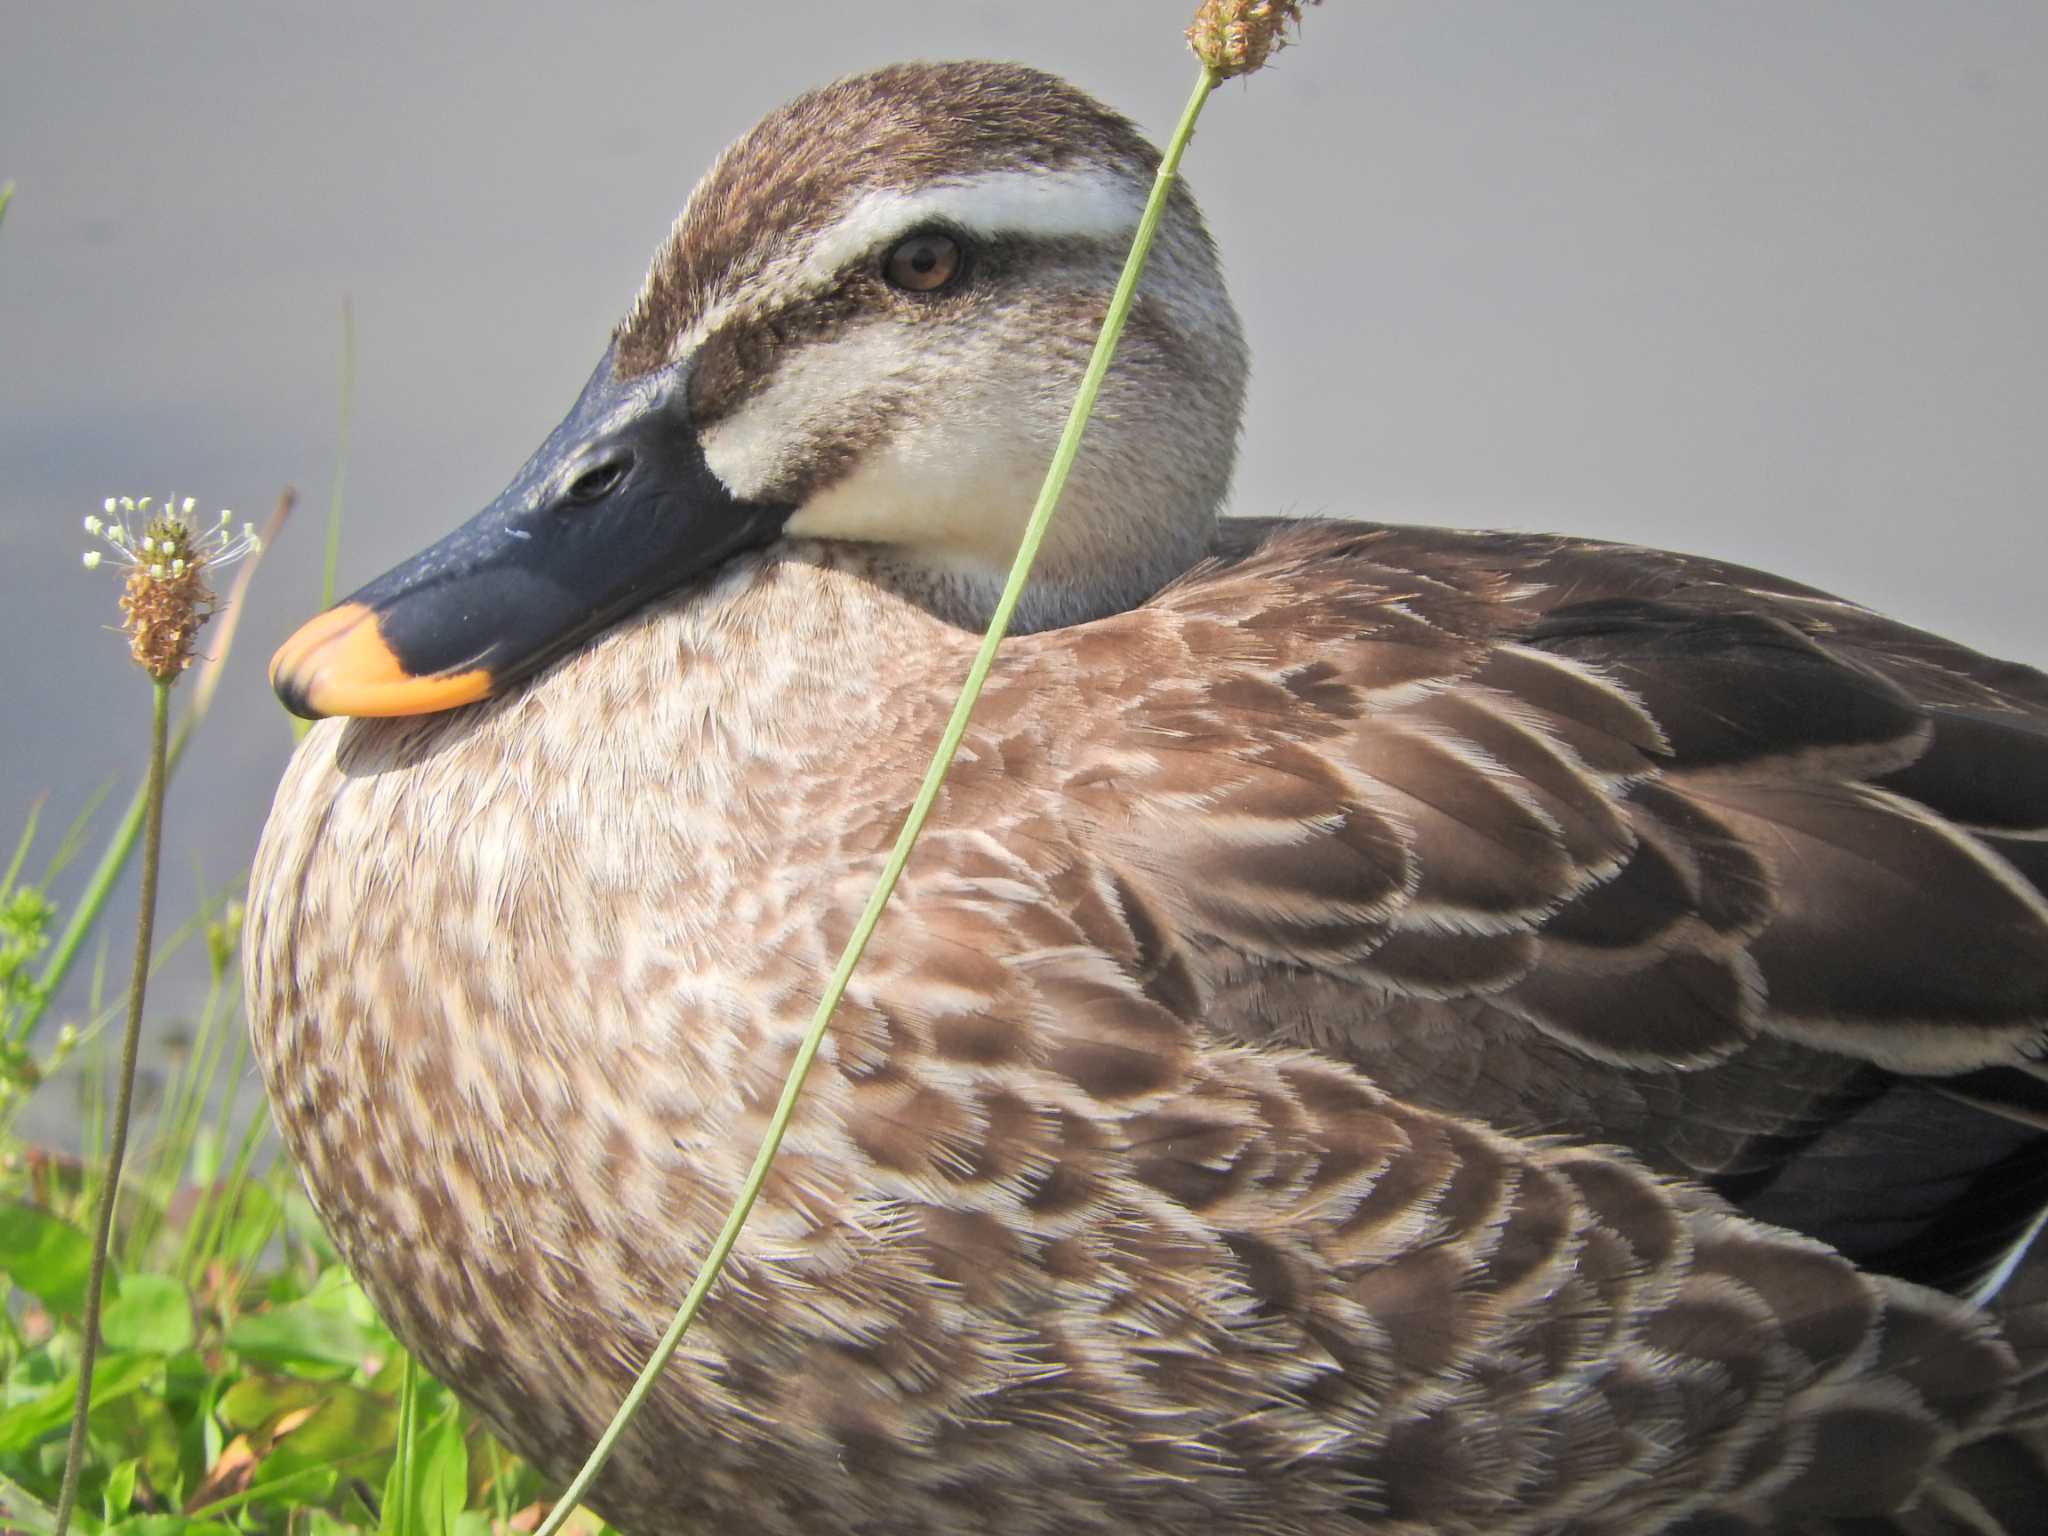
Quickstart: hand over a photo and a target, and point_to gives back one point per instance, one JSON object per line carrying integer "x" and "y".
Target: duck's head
{"x": 868, "y": 324}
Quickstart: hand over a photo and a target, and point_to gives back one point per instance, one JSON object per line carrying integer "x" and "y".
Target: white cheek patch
{"x": 950, "y": 495}
{"x": 752, "y": 450}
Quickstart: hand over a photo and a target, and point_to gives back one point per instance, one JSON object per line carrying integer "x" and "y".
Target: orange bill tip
{"x": 339, "y": 664}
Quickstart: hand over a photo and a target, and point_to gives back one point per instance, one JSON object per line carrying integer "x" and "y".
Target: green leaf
{"x": 152, "y": 1313}
{"x": 302, "y": 1224}
{"x": 304, "y": 1338}
{"x": 168, "y": 1525}
{"x": 203, "y": 1167}
{"x": 209, "y": 1440}
{"x": 47, "y": 1257}
{"x": 116, "y": 1377}
{"x": 36, "y": 1369}
{"x": 254, "y": 1224}
{"x": 400, "y": 1512}
{"x": 120, "y": 1489}
{"x": 444, "y": 1477}
{"x": 255, "y": 1401}
{"x": 159, "y": 1442}
{"x": 347, "y": 1434}
{"x": 21, "y": 1511}
{"x": 428, "y": 1485}
{"x": 347, "y": 1421}
{"x": 186, "y": 1377}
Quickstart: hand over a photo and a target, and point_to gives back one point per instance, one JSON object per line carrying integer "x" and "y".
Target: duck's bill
{"x": 616, "y": 508}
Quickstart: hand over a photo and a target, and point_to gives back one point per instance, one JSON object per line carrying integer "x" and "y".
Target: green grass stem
{"x": 224, "y": 1202}
{"x": 183, "y": 1116}
{"x": 398, "y": 1516}
{"x": 21, "y": 846}
{"x": 131, "y": 1037}
{"x": 913, "y": 824}
{"x": 274, "y": 1489}
{"x": 85, "y": 915}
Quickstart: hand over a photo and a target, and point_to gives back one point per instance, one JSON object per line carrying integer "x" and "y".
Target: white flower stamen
{"x": 168, "y": 558}
{"x": 169, "y": 542}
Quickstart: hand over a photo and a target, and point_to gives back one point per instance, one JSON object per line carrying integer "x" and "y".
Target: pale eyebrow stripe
{"x": 1086, "y": 204}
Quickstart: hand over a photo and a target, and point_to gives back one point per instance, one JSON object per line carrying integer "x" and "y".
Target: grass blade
{"x": 22, "y": 846}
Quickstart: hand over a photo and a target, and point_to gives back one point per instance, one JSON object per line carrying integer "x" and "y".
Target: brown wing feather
{"x": 1664, "y": 828}
{"x": 1224, "y": 1261}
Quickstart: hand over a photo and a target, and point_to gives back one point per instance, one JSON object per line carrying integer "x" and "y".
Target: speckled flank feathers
{"x": 1390, "y": 1031}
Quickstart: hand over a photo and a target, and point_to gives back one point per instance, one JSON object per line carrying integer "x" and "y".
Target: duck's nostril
{"x": 598, "y": 481}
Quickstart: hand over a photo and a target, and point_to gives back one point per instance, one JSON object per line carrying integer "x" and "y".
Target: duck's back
{"x": 1628, "y": 846}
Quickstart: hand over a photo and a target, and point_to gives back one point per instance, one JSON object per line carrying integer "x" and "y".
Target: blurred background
{"x": 1766, "y": 279}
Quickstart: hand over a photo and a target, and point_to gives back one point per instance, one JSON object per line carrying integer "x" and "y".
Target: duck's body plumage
{"x": 1400, "y": 1031}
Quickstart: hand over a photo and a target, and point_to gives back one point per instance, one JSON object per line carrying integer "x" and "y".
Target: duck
{"x": 1389, "y": 1031}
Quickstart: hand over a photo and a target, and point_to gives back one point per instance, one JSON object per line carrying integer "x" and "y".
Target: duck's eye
{"x": 597, "y": 482}
{"x": 923, "y": 263}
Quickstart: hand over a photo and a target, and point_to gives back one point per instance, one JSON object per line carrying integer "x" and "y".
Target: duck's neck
{"x": 1108, "y": 549}
{"x": 722, "y": 701}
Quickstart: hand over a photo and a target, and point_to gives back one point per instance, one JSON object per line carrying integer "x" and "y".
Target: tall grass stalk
{"x": 131, "y": 1037}
{"x": 913, "y": 824}
{"x": 183, "y": 1119}
{"x": 207, "y": 1231}
{"x": 121, "y": 846}
{"x": 166, "y": 599}
{"x": 22, "y": 846}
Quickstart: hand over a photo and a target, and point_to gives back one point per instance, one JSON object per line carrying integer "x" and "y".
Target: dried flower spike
{"x": 167, "y": 554}
{"x": 1235, "y": 37}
